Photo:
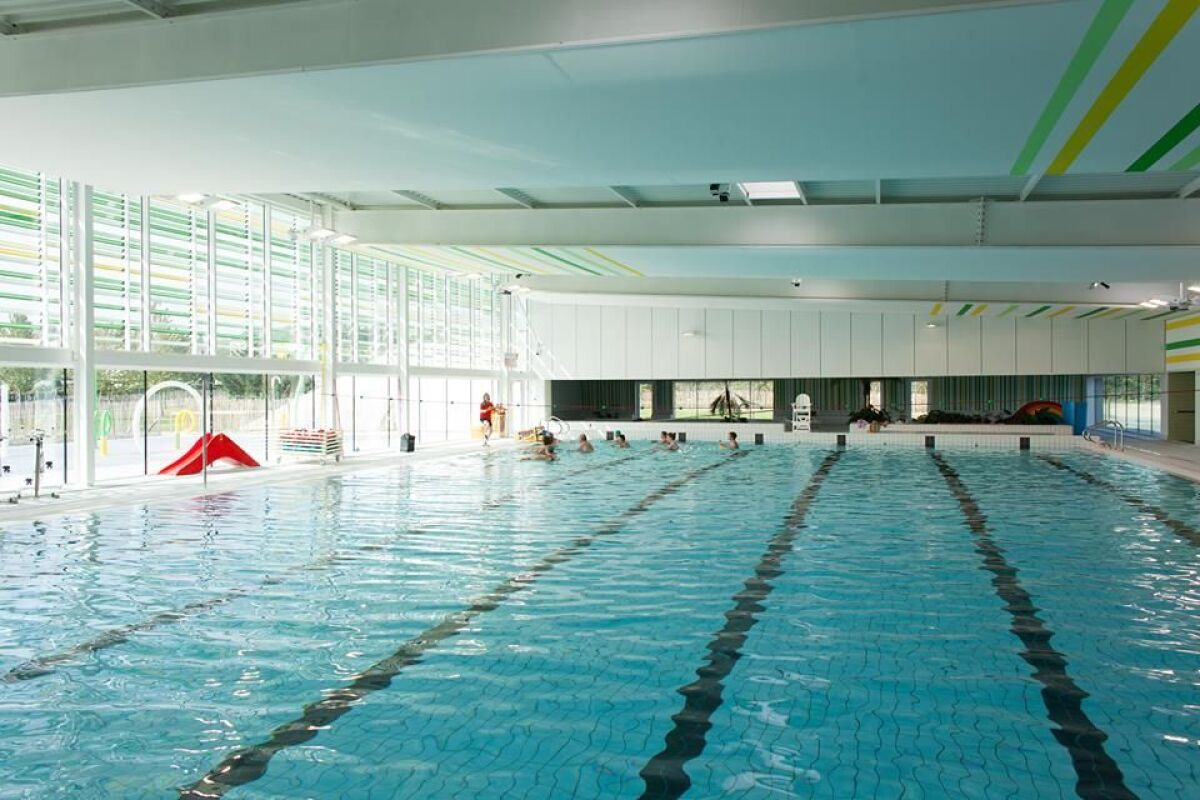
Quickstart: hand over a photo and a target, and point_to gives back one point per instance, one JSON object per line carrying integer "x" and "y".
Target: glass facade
{"x": 232, "y": 288}
{"x": 1135, "y": 401}
{"x": 699, "y": 399}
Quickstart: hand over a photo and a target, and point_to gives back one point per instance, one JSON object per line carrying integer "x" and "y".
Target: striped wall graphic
{"x": 1172, "y": 18}
{"x": 511, "y": 260}
{"x": 1183, "y": 343}
{"x": 1046, "y": 310}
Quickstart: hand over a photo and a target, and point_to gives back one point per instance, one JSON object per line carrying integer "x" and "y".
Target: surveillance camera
{"x": 724, "y": 197}
{"x": 519, "y": 275}
{"x": 719, "y": 191}
{"x": 796, "y": 282}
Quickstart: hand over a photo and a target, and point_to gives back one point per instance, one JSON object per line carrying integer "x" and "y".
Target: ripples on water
{"x": 881, "y": 663}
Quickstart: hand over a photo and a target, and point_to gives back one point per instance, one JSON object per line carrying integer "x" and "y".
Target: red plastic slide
{"x": 220, "y": 448}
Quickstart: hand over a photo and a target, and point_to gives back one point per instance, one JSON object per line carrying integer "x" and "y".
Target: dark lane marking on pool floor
{"x": 44, "y": 665}
{"x": 1097, "y": 776}
{"x": 664, "y": 775}
{"x": 250, "y": 763}
{"x": 1180, "y": 529}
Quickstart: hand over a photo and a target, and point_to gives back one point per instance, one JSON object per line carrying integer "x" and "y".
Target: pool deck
{"x": 140, "y": 489}
{"x": 1178, "y": 458}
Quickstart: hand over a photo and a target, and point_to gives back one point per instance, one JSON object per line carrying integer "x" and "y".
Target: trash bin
{"x": 408, "y": 443}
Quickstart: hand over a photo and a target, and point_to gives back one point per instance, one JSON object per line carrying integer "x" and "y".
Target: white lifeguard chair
{"x": 802, "y": 413}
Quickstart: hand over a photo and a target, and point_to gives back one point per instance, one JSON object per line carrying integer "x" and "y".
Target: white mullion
{"x": 211, "y": 220}
{"x": 268, "y": 322}
{"x": 145, "y": 276}
{"x": 126, "y": 275}
{"x": 65, "y": 282}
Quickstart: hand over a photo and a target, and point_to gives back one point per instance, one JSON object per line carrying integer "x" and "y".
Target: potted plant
{"x": 870, "y": 416}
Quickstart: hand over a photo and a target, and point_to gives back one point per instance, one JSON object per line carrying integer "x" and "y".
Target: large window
{"x": 31, "y": 282}
{"x": 706, "y": 400}
{"x": 1134, "y": 401}
{"x": 918, "y": 394}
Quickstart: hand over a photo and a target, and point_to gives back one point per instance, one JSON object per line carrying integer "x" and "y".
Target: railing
{"x": 1095, "y": 433}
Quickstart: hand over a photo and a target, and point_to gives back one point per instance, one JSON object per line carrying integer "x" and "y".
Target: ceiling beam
{"x": 153, "y": 8}
{"x": 626, "y": 194}
{"x": 879, "y": 191}
{"x": 1190, "y": 189}
{"x": 327, "y": 200}
{"x": 800, "y": 191}
{"x": 293, "y": 36}
{"x": 1068, "y": 223}
{"x": 418, "y": 198}
{"x": 1029, "y": 186}
{"x": 518, "y": 197}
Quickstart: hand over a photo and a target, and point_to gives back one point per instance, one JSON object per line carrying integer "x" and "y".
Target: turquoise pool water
{"x": 790, "y": 622}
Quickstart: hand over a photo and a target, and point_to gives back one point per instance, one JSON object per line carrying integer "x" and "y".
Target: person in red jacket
{"x": 486, "y": 410}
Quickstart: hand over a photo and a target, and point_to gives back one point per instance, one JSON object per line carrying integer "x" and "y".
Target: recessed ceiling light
{"x": 930, "y": 324}
{"x": 472, "y": 276}
{"x": 344, "y": 238}
{"x": 1195, "y": 287}
{"x": 1148, "y": 304}
{"x": 222, "y": 205}
{"x": 771, "y": 190}
{"x": 1157, "y": 302}
{"x": 320, "y": 233}
{"x": 191, "y": 197}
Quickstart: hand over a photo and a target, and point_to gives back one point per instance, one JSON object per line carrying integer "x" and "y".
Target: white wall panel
{"x": 637, "y": 342}
{"x": 612, "y": 342}
{"x": 587, "y": 342}
{"x": 866, "y": 344}
{"x": 541, "y": 324}
{"x": 806, "y": 344}
{"x": 998, "y": 345}
{"x": 718, "y": 343}
{"x": 835, "y": 344}
{"x": 930, "y": 348}
{"x": 1106, "y": 346}
{"x": 898, "y": 346}
{"x": 747, "y": 344}
{"x": 691, "y": 348}
{"x": 1144, "y": 342}
{"x": 1033, "y": 346}
{"x": 776, "y": 344}
{"x": 665, "y": 342}
{"x": 1068, "y": 347}
{"x": 564, "y": 341}
{"x": 963, "y": 342}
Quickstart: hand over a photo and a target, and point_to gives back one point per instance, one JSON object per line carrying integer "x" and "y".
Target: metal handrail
{"x": 1090, "y": 433}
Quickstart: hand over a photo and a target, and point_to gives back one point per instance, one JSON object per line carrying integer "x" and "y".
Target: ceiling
{"x": 821, "y": 103}
{"x": 1008, "y": 101}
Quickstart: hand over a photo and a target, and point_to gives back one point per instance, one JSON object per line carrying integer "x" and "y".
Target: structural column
{"x": 84, "y": 385}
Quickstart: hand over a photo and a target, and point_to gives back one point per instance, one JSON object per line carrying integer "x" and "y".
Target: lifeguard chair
{"x": 802, "y": 413}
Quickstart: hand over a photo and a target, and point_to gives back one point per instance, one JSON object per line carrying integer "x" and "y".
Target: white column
{"x": 327, "y": 384}
{"x": 84, "y": 385}
{"x": 402, "y": 344}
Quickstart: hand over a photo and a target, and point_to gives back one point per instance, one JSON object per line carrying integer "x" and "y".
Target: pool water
{"x": 786, "y": 622}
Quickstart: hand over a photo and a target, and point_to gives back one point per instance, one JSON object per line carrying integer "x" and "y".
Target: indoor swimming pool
{"x": 787, "y": 621}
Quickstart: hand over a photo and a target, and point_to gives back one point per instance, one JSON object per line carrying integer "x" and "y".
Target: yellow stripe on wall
{"x": 1176, "y": 324}
{"x": 979, "y": 309}
{"x": 1174, "y": 15}
{"x": 1060, "y": 312}
{"x": 1180, "y": 359}
{"x": 937, "y": 309}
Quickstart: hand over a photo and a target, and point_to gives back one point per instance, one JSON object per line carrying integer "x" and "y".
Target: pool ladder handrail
{"x": 1090, "y": 433}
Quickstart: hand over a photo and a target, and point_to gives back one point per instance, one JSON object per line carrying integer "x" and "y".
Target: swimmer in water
{"x": 731, "y": 443}
{"x": 544, "y": 451}
{"x": 672, "y": 443}
{"x": 584, "y": 445}
{"x": 620, "y": 442}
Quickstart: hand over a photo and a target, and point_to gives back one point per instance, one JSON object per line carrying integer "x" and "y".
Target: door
{"x": 1181, "y": 407}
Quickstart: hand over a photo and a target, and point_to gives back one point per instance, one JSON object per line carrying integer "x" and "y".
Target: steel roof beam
{"x": 418, "y": 198}
{"x": 283, "y": 37}
{"x": 153, "y": 8}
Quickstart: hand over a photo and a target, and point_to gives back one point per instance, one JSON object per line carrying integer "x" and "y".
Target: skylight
{"x": 771, "y": 190}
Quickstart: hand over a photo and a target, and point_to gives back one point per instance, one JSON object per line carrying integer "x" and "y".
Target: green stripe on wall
{"x": 1008, "y": 310}
{"x": 1189, "y": 161}
{"x": 1093, "y": 311}
{"x": 1097, "y": 36}
{"x": 1182, "y": 343}
{"x": 1037, "y": 311}
{"x": 1169, "y": 141}
{"x": 1159, "y": 316}
{"x": 965, "y": 309}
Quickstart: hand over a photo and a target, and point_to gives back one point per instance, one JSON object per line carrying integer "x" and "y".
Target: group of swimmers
{"x": 544, "y": 450}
